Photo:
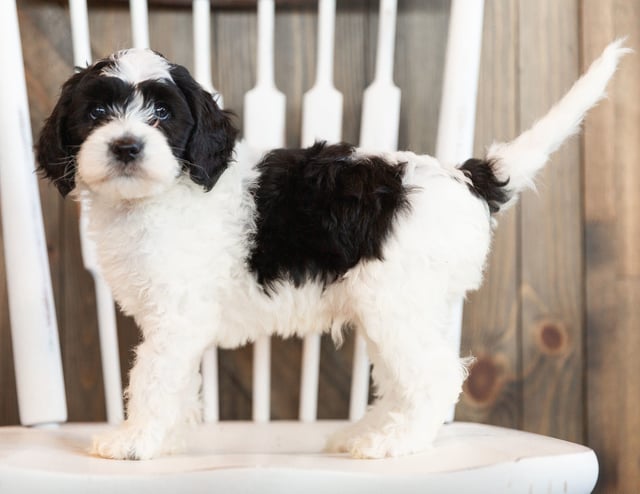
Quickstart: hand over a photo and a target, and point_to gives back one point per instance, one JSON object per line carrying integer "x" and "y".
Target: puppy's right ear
{"x": 55, "y": 159}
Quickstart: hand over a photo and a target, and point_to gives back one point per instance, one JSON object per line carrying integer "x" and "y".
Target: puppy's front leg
{"x": 163, "y": 396}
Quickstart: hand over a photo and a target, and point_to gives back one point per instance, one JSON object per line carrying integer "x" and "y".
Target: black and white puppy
{"x": 204, "y": 242}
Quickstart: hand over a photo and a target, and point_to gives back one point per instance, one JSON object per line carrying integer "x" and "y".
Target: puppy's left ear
{"x": 213, "y": 136}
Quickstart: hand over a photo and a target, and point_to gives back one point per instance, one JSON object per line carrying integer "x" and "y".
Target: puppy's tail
{"x": 511, "y": 167}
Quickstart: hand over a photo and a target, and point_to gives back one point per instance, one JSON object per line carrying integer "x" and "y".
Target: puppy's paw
{"x": 340, "y": 441}
{"x": 387, "y": 444}
{"x": 128, "y": 443}
{"x": 398, "y": 436}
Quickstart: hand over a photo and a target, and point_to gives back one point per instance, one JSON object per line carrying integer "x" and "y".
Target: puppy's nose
{"x": 126, "y": 148}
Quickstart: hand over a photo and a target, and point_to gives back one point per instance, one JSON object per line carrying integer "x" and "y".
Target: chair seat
{"x": 279, "y": 457}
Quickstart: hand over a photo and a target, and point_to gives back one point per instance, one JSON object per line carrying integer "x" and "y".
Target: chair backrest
{"x": 34, "y": 332}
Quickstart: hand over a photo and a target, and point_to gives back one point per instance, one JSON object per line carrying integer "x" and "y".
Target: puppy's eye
{"x": 97, "y": 112}
{"x": 161, "y": 112}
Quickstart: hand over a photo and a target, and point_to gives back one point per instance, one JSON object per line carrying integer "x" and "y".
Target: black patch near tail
{"x": 320, "y": 211}
{"x": 484, "y": 183}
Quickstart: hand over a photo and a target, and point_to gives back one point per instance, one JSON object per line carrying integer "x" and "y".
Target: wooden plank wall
{"x": 612, "y": 253}
{"x": 555, "y": 327}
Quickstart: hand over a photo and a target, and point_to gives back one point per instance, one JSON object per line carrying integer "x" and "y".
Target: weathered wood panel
{"x": 551, "y": 234}
{"x": 491, "y": 317}
{"x": 8, "y": 398}
{"x": 419, "y": 63}
{"x": 612, "y": 236}
{"x": 234, "y": 71}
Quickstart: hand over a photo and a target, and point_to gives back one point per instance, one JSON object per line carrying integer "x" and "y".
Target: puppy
{"x": 204, "y": 242}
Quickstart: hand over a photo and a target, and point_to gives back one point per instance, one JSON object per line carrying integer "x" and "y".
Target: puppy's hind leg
{"x": 418, "y": 377}
{"x": 342, "y": 440}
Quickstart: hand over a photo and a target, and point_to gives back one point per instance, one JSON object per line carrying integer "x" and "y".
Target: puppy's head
{"x": 130, "y": 125}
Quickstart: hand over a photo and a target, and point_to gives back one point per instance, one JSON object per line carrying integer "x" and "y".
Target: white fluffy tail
{"x": 518, "y": 161}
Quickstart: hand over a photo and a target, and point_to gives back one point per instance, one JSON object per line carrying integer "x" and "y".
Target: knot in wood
{"x": 552, "y": 338}
{"x": 483, "y": 384}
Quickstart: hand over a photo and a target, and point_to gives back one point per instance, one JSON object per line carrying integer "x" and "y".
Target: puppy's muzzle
{"x": 126, "y": 149}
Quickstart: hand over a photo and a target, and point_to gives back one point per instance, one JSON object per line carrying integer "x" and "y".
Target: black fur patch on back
{"x": 484, "y": 183}
{"x": 320, "y": 211}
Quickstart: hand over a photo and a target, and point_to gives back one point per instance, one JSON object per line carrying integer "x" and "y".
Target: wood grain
{"x": 350, "y": 66}
{"x": 551, "y": 234}
{"x": 421, "y": 37}
{"x": 612, "y": 284}
{"x": 491, "y": 316}
{"x": 8, "y": 397}
{"x": 234, "y": 70}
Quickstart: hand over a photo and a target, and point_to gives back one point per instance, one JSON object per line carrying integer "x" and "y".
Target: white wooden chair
{"x": 48, "y": 455}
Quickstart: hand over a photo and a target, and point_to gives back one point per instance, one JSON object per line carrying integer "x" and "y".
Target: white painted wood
{"x": 202, "y": 47}
{"x": 202, "y": 43}
{"x": 322, "y": 104}
{"x": 378, "y": 132}
{"x": 359, "y": 380}
{"x": 261, "y": 379}
{"x": 381, "y": 101}
{"x": 310, "y": 374}
{"x": 107, "y": 329}
{"x": 34, "y": 331}
{"x": 210, "y": 388}
{"x": 321, "y": 120}
{"x": 264, "y": 127}
{"x": 80, "y": 33}
{"x": 286, "y": 457}
{"x": 139, "y": 23}
{"x": 456, "y": 123}
{"x": 109, "y": 350}
{"x": 202, "y": 73}
{"x": 264, "y": 105}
